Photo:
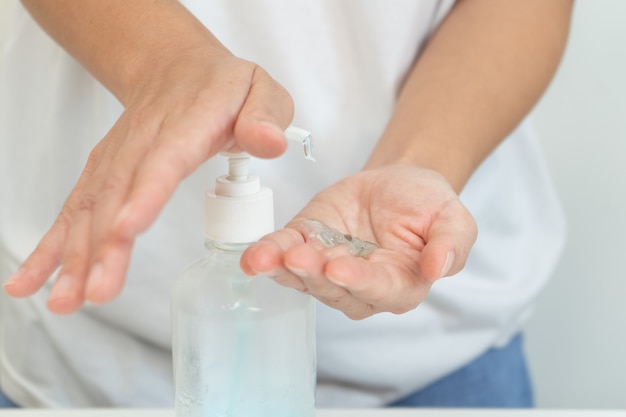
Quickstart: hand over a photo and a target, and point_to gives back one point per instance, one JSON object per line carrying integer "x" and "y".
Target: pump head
{"x": 239, "y": 210}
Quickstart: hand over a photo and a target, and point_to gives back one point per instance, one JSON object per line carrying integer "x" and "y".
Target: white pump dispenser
{"x": 242, "y": 346}
{"x": 238, "y": 210}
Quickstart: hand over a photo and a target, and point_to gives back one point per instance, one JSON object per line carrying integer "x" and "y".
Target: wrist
{"x": 170, "y": 63}
{"x": 121, "y": 42}
{"x": 167, "y": 56}
{"x": 450, "y": 161}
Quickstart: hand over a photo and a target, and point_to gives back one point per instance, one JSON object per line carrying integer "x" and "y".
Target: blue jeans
{"x": 5, "y": 402}
{"x": 497, "y": 379}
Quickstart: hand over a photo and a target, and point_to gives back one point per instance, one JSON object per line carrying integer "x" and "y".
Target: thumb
{"x": 267, "y": 111}
{"x": 450, "y": 239}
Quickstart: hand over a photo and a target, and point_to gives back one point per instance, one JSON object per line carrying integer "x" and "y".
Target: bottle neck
{"x": 214, "y": 245}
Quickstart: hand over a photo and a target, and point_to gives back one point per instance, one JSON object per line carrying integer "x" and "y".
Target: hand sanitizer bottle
{"x": 242, "y": 346}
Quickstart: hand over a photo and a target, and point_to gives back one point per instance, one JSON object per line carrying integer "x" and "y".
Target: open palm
{"x": 423, "y": 230}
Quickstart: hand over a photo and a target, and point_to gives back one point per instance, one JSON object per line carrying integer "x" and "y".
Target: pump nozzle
{"x": 240, "y": 182}
{"x": 304, "y": 137}
{"x": 293, "y": 133}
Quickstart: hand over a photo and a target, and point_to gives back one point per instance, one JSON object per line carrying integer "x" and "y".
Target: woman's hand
{"x": 179, "y": 115}
{"x": 423, "y": 230}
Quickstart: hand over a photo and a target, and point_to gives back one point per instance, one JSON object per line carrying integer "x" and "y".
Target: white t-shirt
{"x": 343, "y": 62}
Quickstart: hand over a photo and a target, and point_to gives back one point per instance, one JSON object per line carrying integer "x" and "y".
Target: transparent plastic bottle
{"x": 242, "y": 346}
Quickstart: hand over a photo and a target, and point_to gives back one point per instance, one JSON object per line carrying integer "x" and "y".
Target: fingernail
{"x": 63, "y": 287}
{"x": 298, "y": 271}
{"x": 448, "y": 265}
{"x": 273, "y": 127}
{"x": 16, "y": 276}
{"x": 124, "y": 214}
{"x": 95, "y": 279}
{"x": 8, "y": 285}
{"x": 13, "y": 279}
{"x": 338, "y": 283}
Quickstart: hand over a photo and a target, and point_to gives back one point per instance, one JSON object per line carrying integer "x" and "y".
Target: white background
{"x": 577, "y": 338}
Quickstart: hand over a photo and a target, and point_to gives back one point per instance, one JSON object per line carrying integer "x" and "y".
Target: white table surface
{"x": 328, "y": 413}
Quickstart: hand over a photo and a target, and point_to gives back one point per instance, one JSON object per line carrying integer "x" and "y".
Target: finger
{"x": 267, "y": 259}
{"x": 131, "y": 141}
{"x": 38, "y": 267}
{"x": 267, "y": 111}
{"x": 185, "y": 140}
{"x": 46, "y": 257}
{"x": 110, "y": 250}
{"x": 107, "y": 276}
{"x": 309, "y": 264}
{"x": 312, "y": 265}
{"x": 449, "y": 240}
{"x": 67, "y": 293}
{"x": 382, "y": 281}
{"x": 266, "y": 256}
{"x": 154, "y": 184}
